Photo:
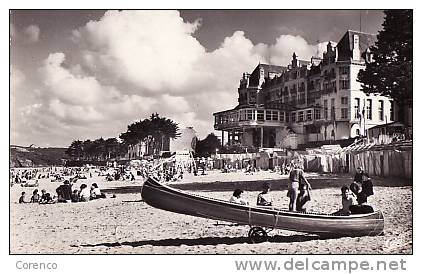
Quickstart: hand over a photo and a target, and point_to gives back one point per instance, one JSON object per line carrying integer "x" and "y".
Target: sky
{"x": 86, "y": 74}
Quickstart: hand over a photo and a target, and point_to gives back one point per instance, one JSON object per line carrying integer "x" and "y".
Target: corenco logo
{"x": 31, "y": 265}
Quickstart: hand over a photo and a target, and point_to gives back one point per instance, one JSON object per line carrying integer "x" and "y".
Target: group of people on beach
{"x": 298, "y": 192}
{"x": 354, "y": 198}
{"x": 65, "y": 194}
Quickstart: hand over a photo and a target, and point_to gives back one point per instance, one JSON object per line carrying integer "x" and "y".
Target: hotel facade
{"x": 307, "y": 102}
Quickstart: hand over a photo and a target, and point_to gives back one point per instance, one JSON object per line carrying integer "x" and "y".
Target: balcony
{"x": 247, "y": 117}
{"x": 328, "y": 90}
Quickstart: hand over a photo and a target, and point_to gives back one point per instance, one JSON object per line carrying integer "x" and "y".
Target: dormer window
{"x": 368, "y": 56}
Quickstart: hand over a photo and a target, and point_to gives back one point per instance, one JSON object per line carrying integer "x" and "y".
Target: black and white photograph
{"x": 211, "y": 131}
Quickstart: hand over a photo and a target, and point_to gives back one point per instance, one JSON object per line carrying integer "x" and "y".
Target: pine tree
{"x": 390, "y": 72}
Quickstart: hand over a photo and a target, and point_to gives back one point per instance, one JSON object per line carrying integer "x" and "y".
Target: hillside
{"x": 33, "y": 157}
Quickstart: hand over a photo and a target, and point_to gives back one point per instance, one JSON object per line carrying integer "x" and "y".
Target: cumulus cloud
{"x": 151, "y": 50}
{"x": 129, "y": 64}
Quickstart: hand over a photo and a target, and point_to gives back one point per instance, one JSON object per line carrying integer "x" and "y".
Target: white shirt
{"x": 237, "y": 200}
{"x": 85, "y": 193}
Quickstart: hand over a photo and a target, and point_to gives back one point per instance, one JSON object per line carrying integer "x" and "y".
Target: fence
{"x": 384, "y": 163}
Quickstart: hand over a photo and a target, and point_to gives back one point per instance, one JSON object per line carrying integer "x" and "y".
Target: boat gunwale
{"x": 258, "y": 209}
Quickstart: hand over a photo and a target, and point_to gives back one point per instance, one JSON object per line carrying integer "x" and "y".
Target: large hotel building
{"x": 307, "y": 102}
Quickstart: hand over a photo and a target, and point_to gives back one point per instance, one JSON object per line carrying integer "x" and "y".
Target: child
{"x": 75, "y": 196}
{"x": 236, "y": 197}
{"x": 22, "y": 198}
{"x": 35, "y": 196}
{"x": 43, "y": 199}
{"x": 264, "y": 198}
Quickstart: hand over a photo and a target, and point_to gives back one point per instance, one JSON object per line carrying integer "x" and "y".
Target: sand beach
{"x": 127, "y": 225}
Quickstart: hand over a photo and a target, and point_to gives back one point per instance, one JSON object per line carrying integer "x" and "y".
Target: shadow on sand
{"x": 209, "y": 241}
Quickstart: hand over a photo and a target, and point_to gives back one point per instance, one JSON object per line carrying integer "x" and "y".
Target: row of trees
{"x": 155, "y": 131}
{"x": 99, "y": 149}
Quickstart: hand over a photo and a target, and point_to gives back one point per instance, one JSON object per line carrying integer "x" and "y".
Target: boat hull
{"x": 160, "y": 196}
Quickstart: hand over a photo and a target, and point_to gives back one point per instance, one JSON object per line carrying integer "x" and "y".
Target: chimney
{"x": 356, "y": 50}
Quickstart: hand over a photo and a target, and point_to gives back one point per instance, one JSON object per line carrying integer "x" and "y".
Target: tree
{"x": 208, "y": 146}
{"x": 75, "y": 150}
{"x": 154, "y": 131}
{"x": 111, "y": 148}
{"x": 391, "y": 71}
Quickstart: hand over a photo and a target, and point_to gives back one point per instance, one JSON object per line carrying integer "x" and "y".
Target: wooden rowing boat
{"x": 163, "y": 197}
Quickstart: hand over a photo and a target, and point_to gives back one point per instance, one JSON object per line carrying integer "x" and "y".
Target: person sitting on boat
{"x": 237, "y": 199}
{"x": 264, "y": 198}
{"x": 347, "y": 200}
{"x": 297, "y": 179}
{"x": 362, "y": 199}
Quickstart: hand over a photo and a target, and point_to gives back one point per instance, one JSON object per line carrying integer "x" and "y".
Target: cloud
{"x": 129, "y": 64}
{"x": 151, "y": 50}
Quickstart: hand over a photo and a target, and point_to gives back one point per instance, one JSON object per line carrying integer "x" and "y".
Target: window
{"x": 250, "y": 114}
{"x": 317, "y": 114}
{"x": 300, "y": 119}
{"x": 333, "y": 109}
{"x": 391, "y": 110}
{"x": 369, "y": 109}
{"x": 274, "y": 115}
{"x": 344, "y": 70}
{"x": 344, "y": 113}
{"x": 381, "y": 110}
{"x": 344, "y": 84}
{"x": 242, "y": 115}
{"x": 260, "y": 115}
{"x": 325, "y": 109}
{"x": 356, "y": 108}
{"x": 268, "y": 115}
{"x": 287, "y": 117}
{"x": 308, "y": 115}
{"x": 293, "y": 117}
{"x": 282, "y": 116}
{"x": 358, "y": 132}
{"x": 344, "y": 100}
